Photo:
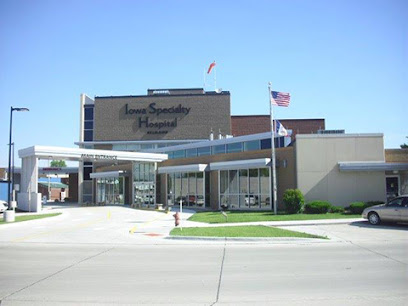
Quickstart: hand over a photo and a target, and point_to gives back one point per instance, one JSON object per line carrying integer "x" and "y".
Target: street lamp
{"x": 18, "y": 109}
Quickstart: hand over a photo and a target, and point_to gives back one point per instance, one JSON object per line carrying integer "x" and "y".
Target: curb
{"x": 281, "y": 223}
{"x": 248, "y": 239}
{"x": 320, "y": 223}
{"x": 10, "y": 224}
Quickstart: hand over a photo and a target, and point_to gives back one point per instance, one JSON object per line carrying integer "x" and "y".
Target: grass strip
{"x": 217, "y": 217}
{"x": 252, "y": 231}
{"x": 30, "y": 217}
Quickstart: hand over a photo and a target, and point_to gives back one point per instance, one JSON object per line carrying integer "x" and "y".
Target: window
{"x": 187, "y": 188}
{"x": 265, "y": 144}
{"x": 191, "y": 152}
{"x": 179, "y": 154}
{"x": 204, "y": 151}
{"x": 87, "y": 172}
{"x": 88, "y": 135}
{"x": 251, "y": 145}
{"x": 396, "y": 202}
{"x": 218, "y": 149}
{"x": 88, "y": 125}
{"x": 234, "y": 147}
{"x": 144, "y": 183}
{"x": 245, "y": 189}
{"x": 89, "y": 113}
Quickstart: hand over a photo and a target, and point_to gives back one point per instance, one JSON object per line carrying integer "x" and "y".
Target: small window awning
{"x": 107, "y": 174}
{"x": 241, "y": 164}
{"x": 184, "y": 168}
{"x": 53, "y": 184}
{"x": 371, "y": 166}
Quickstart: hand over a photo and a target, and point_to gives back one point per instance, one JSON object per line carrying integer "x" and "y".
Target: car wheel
{"x": 373, "y": 218}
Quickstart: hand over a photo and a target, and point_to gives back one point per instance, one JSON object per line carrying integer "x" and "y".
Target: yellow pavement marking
{"x": 82, "y": 225}
{"x": 133, "y": 229}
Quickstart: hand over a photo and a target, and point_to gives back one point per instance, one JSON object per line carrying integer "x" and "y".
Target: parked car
{"x": 148, "y": 199}
{"x": 395, "y": 210}
{"x": 3, "y": 206}
{"x": 251, "y": 200}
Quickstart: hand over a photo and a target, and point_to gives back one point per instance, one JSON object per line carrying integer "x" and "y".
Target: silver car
{"x": 395, "y": 210}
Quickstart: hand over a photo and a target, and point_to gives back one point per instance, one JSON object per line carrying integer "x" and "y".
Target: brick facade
{"x": 247, "y": 125}
{"x": 178, "y": 115}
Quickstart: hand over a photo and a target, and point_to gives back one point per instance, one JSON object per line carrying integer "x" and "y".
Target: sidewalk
{"x": 188, "y": 213}
{"x": 306, "y": 226}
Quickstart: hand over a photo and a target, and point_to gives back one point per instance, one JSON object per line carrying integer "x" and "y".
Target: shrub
{"x": 337, "y": 209}
{"x": 317, "y": 207}
{"x": 372, "y": 203}
{"x": 357, "y": 207}
{"x": 293, "y": 200}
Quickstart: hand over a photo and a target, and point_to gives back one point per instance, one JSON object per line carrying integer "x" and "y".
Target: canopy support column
{"x": 28, "y": 198}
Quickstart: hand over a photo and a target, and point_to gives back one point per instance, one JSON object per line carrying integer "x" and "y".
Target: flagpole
{"x": 275, "y": 209}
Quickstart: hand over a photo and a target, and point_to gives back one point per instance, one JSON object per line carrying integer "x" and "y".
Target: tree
{"x": 404, "y": 145}
{"x": 58, "y": 163}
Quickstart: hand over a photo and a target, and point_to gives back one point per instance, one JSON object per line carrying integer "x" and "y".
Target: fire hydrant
{"x": 177, "y": 218}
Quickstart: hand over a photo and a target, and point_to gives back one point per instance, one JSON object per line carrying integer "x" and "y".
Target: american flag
{"x": 280, "y": 98}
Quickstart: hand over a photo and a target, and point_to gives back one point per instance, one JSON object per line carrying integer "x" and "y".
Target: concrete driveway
{"x": 123, "y": 225}
{"x": 89, "y": 256}
{"x": 100, "y": 224}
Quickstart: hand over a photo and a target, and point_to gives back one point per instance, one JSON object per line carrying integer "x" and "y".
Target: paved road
{"x": 87, "y": 256}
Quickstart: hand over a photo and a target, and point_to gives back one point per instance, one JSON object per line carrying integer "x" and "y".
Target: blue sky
{"x": 345, "y": 61}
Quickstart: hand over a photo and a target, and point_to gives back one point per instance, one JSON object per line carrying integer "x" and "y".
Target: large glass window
{"x": 144, "y": 183}
{"x": 187, "y": 188}
{"x": 110, "y": 190}
{"x": 245, "y": 189}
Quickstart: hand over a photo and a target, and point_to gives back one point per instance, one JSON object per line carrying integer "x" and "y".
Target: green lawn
{"x": 30, "y": 217}
{"x": 217, "y": 217}
{"x": 240, "y": 231}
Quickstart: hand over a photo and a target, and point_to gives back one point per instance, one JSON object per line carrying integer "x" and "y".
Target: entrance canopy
{"x": 30, "y": 200}
{"x": 77, "y": 154}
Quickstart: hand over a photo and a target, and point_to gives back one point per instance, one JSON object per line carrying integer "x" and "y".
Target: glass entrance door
{"x": 110, "y": 190}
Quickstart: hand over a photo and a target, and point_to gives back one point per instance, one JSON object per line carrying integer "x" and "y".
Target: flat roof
{"x": 300, "y": 136}
{"x": 79, "y": 154}
{"x": 213, "y": 93}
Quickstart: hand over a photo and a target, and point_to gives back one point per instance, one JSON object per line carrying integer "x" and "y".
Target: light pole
{"x": 18, "y": 109}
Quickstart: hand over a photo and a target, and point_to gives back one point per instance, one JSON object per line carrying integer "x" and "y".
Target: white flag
{"x": 280, "y": 130}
